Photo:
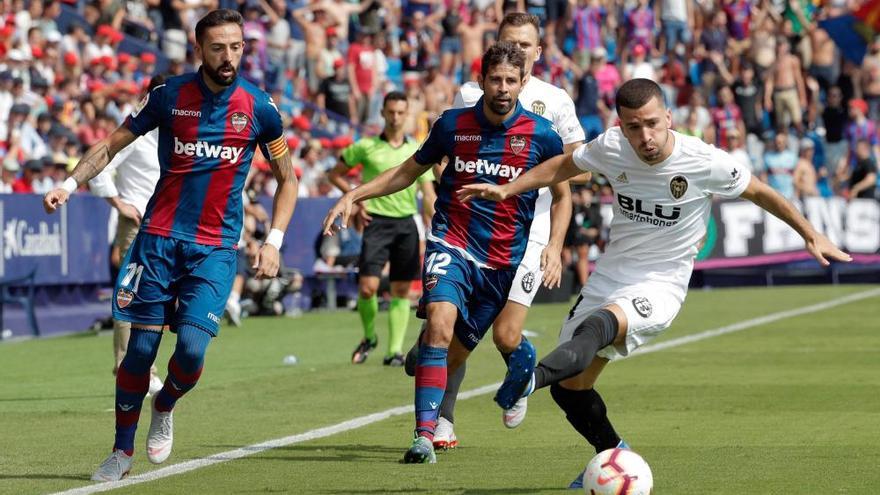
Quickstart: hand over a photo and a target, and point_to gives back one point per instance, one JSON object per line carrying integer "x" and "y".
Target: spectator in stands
{"x": 748, "y": 96}
{"x": 311, "y": 169}
{"x": 786, "y": 94}
{"x": 7, "y": 180}
{"x": 583, "y": 231}
{"x": 779, "y": 165}
{"x": 335, "y": 94}
{"x": 439, "y": 90}
{"x": 727, "y": 117}
{"x": 862, "y": 179}
{"x": 737, "y": 150}
{"x": 859, "y": 128}
{"x": 639, "y": 65}
{"x": 870, "y": 82}
{"x": 805, "y": 175}
{"x": 362, "y": 73}
{"x": 834, "y": 119}
{"x": 31, "y": 176}
{"x": 313, "y": 21}
{"x": 589, "y": 106}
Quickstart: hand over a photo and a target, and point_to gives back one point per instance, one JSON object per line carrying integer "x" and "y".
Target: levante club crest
{"x": 124, "y": 297}
{"x": 239, "y": 121}
{"x": 517, "y": 144}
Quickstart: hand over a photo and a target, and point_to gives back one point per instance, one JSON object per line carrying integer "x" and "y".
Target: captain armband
{"x": 277, "y": 148}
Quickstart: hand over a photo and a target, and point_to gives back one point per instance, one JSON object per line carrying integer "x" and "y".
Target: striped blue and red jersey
{"x": 206, "y": 143}
{"x": 492, "y": 234}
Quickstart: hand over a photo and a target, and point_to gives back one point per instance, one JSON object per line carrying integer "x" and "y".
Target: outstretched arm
{"x": 388, "y": 182}
{"x": 557, "y": 169}
{"x": 92, "y": 163}
{"x": 817, "y": 244}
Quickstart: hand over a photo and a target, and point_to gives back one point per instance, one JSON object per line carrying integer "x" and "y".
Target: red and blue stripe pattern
{"x": 206, "y": 144}
{"x": 430, "y": 386}
{"x": 494, "y": 234}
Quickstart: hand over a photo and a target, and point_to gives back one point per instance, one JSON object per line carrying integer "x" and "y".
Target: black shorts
{"x": 394, "y": 239}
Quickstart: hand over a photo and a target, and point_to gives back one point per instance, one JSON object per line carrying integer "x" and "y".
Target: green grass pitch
{"x": 788, "y": 407}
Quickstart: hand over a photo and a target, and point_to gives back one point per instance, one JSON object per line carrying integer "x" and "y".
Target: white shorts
{"x": 650, "y": 308}
{"x": 528, "y": 276}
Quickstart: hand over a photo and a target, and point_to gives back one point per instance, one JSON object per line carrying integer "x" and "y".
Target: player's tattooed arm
{"x": 268, "y": 259}
{"x": 100, "y": 154}
{"x": 92, "y": 163}
{"x": 285, "y": 195}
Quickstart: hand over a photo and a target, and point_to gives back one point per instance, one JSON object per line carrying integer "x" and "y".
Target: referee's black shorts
{"x": 394, "y": 239}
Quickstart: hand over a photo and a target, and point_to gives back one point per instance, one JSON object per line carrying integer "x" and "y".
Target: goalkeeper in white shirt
{"x": 663, "y": 187}
{"x": 127, "y": 184}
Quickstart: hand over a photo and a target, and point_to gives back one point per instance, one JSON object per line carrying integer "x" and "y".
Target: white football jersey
{"x": 137, "y": 172}
{"x": 660, "y": 211}
{"x": 553, "y": 104}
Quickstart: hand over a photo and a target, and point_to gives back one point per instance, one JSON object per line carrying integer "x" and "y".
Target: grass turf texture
{"x": 790, "y": 407}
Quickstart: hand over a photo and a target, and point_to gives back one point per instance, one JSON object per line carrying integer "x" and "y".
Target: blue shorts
{"x": 479, "y": 293}
{"x": 165, "y": 281}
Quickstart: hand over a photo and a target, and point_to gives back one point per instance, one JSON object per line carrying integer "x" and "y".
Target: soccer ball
{"x": 618, "y": 472}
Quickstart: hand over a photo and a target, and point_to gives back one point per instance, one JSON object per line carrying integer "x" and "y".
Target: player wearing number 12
{"x": 473, "y": 248}
{"x": 180, "y": 268}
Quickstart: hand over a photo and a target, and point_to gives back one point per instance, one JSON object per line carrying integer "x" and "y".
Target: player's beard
{"x": 215, "y": 76}
{"x": 501, "y": 107}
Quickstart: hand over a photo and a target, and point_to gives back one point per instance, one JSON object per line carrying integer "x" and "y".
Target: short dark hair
{"x": 636, "y": 93}
{"x": 394, "y": 96}
{"x": 517, "y": 19}
{"x": 504, "y": 52}
{"x": 217, "y": 17}
{"x": 156, "y": 81}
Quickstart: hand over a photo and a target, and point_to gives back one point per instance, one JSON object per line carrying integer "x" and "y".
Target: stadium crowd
{"x": 760, "y": 78}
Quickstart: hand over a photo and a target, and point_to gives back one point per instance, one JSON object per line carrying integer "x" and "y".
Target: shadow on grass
{"x": 82, "y": 477}
{"x": 59, "y": 397}
{"x": 449, "y": 491}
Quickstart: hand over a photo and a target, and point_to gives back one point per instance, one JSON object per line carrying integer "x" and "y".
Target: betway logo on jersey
{"x": 483, "y": 167}
{"x": 202, "y": 149}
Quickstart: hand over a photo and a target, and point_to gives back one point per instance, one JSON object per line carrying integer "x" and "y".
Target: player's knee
{"x": 365, "y": 292}
{"x": 506, "y": 337}
{"x": 602, "y": 324}
{"x": 142, "y": 348}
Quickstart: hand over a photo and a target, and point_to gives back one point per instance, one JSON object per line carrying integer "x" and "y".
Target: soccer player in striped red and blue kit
{"x": 180, "y": 268}
{"x": 473, "y": 248}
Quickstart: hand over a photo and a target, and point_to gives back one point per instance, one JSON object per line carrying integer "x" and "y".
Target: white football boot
{"x": 161, "y": 435}
{"x": 444, "y": 437}
{"x": 514, "y": 416}
{"x": 114, "y": 468}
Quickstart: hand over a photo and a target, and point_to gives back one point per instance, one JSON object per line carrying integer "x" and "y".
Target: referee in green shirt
{"x": 391, "y": 233}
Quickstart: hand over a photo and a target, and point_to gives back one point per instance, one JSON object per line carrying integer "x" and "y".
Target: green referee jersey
{"x": 377, "y": 156}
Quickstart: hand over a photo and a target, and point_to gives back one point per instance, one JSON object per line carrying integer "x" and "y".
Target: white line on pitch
{"x": 369, "y": 419}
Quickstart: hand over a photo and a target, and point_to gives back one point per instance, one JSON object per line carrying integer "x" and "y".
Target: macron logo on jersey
{"x": 484, "y": 167}
{"x": 203, "y": 149}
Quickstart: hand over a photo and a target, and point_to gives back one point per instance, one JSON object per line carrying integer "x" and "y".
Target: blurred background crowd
{"x": 767, "y": 80}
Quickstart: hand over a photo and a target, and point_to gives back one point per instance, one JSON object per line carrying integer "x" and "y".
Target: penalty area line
{"x": 369, "y": 419}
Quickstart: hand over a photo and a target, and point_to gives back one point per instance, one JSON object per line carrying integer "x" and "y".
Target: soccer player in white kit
{"x": 663, "y": 187}
{"x": 136, "y": 169}
{"x": 542, "y": 260}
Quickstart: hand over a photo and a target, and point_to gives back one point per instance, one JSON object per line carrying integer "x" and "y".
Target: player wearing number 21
{"x": 182, "y": 263}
